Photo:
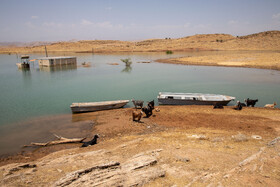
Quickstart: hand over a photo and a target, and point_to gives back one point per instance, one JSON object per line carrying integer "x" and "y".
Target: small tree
{"x": 168, "y": 52}
{"x": 127, "y": 61}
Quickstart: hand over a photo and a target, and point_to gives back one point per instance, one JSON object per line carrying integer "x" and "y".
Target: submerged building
{"x": 24, "y": 64}
{"x": 57, "y": 61}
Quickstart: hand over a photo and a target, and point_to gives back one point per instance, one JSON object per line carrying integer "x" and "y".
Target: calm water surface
{"x": 39, "y": 96}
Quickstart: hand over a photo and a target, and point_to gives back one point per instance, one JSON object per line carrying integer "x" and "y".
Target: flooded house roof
{"x": 55, "y": 57}
{"x": 24, "y": 56}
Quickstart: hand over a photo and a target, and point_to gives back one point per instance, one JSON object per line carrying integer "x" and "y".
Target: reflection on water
{"x": 40, "y": 130}
{"x": 26, "y": 74}
{"x": 127, "y": 69}
{"x": 58, "y": 68}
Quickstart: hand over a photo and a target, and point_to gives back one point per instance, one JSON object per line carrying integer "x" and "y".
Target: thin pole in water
{"x": 46, "y": 51}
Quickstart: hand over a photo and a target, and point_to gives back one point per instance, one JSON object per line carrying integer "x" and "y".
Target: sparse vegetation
{"x": 269, "y": 40}
{"x": 169, "y": 52}
{"x": 127, "y": 62}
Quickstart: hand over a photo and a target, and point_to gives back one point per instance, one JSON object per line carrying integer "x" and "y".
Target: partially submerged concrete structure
{"x": 57, "y": 61}
{"x": 24, "y": 64}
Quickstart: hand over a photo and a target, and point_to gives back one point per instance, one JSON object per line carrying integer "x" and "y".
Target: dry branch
{"x": 61, "y": 140}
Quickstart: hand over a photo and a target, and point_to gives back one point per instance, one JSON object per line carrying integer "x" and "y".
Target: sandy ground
{"x": 268, "y": 60}
{"x": 196, "y": 145}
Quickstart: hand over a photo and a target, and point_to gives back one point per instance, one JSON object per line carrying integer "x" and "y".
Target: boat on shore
{"x": 170, "y": 98}
{"x": 97, "y": 106}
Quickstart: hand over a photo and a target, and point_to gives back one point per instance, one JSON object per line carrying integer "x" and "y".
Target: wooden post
{"x": 46, "y": 51}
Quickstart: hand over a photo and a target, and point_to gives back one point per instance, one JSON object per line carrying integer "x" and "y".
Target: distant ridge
{"x": 25, "y": 44}
{"x": 265, "y": 34}
{"x": 268, "y": 40}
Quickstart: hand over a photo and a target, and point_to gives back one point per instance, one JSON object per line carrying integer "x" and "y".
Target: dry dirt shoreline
{"x": 180, "y": 145}
{"x": 268, "y": 60}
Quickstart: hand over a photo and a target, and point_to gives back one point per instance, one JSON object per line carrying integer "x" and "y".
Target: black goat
{"x": 218, "y": 106}
{"x": 137, "y": 103}
{"x": 151, "y": 104}
{"x": 238, "y": 106}
{"x": 251, "y": 102}
{"x": 148, "y": 110}
{"x": 91, "y": 142}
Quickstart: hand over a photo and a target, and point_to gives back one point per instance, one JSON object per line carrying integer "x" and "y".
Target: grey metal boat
{"x": 170, "y": 98}
{"x": 96, "y": 106}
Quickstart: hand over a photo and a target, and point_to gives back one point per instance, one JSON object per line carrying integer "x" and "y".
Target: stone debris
{"x": 195, "y": 136}
{"x": 151, "y": 152}
{"x": 16, "y": 167}
{"x": 71, "y": 177}
{"x": 139, "y": 162}
{"x": 182, "y": 159}
{"x": 240, "y": 138}
{"x": 256, "y": 137}
{"x": 252, "y": 157}
{"x": 132, "y": 142}
{"x": 274, "y": 141}
{"x": 217, "y": 139}
{"x": 134, "y": 172}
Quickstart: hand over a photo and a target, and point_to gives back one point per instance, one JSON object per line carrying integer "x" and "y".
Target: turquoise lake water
{"x": 45, "y": 92}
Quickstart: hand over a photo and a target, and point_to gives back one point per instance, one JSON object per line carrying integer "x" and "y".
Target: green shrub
{"x": 127, "y": 61}
{"x": 169, "y": 52}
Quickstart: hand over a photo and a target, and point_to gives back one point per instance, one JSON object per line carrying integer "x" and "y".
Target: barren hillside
{"x": 269, "y": 40}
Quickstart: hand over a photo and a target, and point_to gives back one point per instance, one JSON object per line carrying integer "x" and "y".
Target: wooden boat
{"x": 169, "y": 98}
{"x": 96, "y": 106}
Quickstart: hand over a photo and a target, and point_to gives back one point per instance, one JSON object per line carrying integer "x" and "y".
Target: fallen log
{"x": 60, "y": 140}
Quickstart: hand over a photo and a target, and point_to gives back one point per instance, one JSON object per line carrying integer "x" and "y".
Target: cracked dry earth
{"x": 178, "y": 146}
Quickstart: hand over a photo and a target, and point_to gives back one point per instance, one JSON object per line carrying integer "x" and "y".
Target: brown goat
{"x": 136, "y": 116}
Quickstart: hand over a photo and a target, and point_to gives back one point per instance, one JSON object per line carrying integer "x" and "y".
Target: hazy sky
{"x": 53, "y": 20}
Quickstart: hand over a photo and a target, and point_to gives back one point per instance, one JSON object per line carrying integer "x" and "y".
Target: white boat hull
{"x": 168, "y": 98}
{"x": 97, "y": 106}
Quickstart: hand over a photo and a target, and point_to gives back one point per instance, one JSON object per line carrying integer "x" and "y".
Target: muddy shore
{"x": 183, "y": 145}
